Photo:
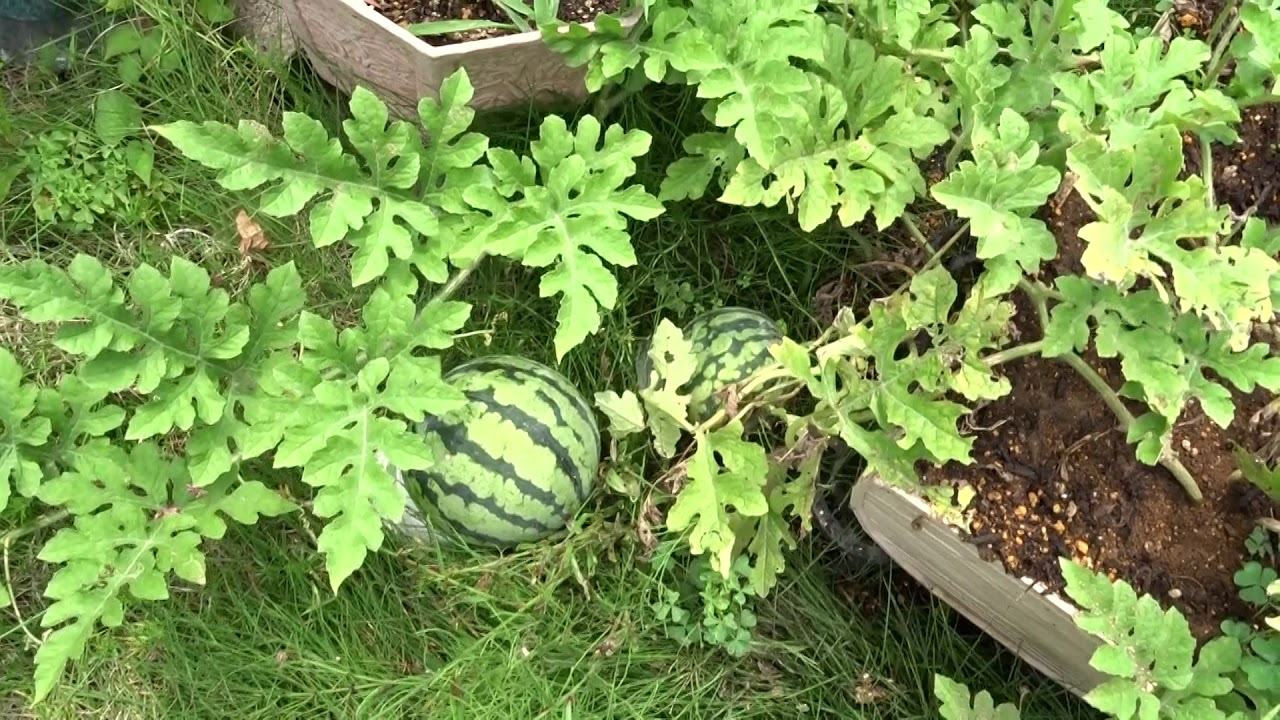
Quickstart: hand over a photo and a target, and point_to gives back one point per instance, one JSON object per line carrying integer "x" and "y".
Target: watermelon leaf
{"x": 564, "y": 209}
{"x": 186, "y": 352}
{"x": 771, "y": 534}
{"x": 168, "y": 338}
{"x": 852, "y": 149}
{"x": 957, "y": 704}
{"x": 626, "y": 415}
{"x": 372, "y": 199}
{"x": 135, "y": 523}
{"x": 726, "y": 479}
{"x": 1149, "y": 652}
{"x": 666, "y": 406}
{"x": 21, "y": 431}
{"x": 329, "y": 415}
{"x": 997, "y": 191}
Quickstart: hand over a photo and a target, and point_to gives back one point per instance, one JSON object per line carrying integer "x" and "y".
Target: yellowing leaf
{"x": 667, "y": 407}
{"x": 625, "y": 414}
{"x": 725, "y": 475}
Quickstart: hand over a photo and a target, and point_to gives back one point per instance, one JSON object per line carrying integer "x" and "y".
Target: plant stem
{"x": 1228, "y": 8}
{"x": 7, "y": 541}
{"x": 914, "y": 231}
{"x": 452, "y": 285}
{"x": 1014, "y": 353}
{"x": 615, "y": 95}
{"x": 50, "y": 518}
{"x": 1061, "y": 13}
{"x": 957, "y": 147}
{"x": 927, "y": 54}
{"x": 1206, "y": 170}
{"x": 1169, "y": 461}
{"x": 908, "y": 221}
{"x": 13, "y": 601}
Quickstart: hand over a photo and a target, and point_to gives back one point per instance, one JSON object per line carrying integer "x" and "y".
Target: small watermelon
{"x": 519, "y": 461}
{"x": 729, "y": 344}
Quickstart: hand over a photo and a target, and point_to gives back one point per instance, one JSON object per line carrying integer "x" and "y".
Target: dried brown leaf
{"x": 252, "y": 239}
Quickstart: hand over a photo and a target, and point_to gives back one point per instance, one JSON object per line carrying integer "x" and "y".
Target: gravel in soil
{"x": 1055, "y": 477}
{"x": 407, "y": 12}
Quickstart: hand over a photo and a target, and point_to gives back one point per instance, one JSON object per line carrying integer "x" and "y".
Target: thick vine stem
{"x": 1169, "y": 461}
{"x": 50, "y": 518}
{"x": 17, "y": 612}
{"x": 453, "y": 284}
{"x": 1227, "y": 10}
{"x": 615, "y": 95}
{"x": 1206, "y": 170}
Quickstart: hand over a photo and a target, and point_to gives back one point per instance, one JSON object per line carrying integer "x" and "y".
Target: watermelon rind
{"x": 729, "y": 345}
{"x": 519, "y": 460}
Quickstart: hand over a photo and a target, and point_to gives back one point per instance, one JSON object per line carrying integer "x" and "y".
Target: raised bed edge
{"x": 1037, "y": 627}
{"x": 349, "y": 44}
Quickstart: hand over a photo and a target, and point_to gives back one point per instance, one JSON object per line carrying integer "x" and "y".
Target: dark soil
{"x": 1055, "y": 477}
{"x": 407, "y": 12}
{"x": 1247, "y": 174}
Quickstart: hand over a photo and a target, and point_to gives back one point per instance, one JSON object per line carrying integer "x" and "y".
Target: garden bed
{"x": 368, "y": 43}
{"x": 408, "y": 12}
{"x": 1055, "y": 477}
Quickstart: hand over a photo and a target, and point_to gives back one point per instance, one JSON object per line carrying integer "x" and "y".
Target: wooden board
{"x": 1038, "y": 628}
{"x": 350, "y": 44}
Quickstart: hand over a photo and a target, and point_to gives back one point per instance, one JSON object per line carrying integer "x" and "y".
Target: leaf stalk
{"x": 1014, "y": 353}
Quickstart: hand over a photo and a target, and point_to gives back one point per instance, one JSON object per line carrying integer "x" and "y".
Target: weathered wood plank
{"x": 350, "y": 43}
{"x": 1038, "y": 628}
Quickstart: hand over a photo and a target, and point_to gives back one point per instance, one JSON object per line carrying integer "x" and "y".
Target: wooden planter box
{"x": 1037, "y": 627}
{"x": 350, "y": 44}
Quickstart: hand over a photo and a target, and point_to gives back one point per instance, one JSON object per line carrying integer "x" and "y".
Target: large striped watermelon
{"x": 519, "y": 461}
{"x": 729, "y": 344}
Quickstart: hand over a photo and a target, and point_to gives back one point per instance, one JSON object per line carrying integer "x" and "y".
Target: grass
{"x": 442, "y": 634}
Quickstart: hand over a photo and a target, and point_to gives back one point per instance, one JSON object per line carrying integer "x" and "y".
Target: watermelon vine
{"x": 144, "y": 448}
{"x": 148, "y": 446}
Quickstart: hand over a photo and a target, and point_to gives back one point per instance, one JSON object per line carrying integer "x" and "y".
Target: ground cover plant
{"x": 833, "y": 114}
{"x": 449, "y": 631}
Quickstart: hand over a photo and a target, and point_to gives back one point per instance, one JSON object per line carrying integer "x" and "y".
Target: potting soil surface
{"x": 406, "y": 12}
{"x": 1055, "y": 476}
{"x": 1247, "y": 175}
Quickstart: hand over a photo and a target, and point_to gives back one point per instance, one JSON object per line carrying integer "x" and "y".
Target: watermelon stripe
{"x": 465, "y": 493}
{"x": 593, "y": 438}
{"x": 710, "y": 370}
{"x": 760, "y": 361}
{"x": 568, "y": 392}
{"x": 734, "y": 322}
{"x": 538, "y": 432}
{"x": 455, "y": 438}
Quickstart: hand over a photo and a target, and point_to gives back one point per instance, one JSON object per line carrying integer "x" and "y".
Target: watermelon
{"x": 519, "y": 461}
{"x": 729, "y": 344}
